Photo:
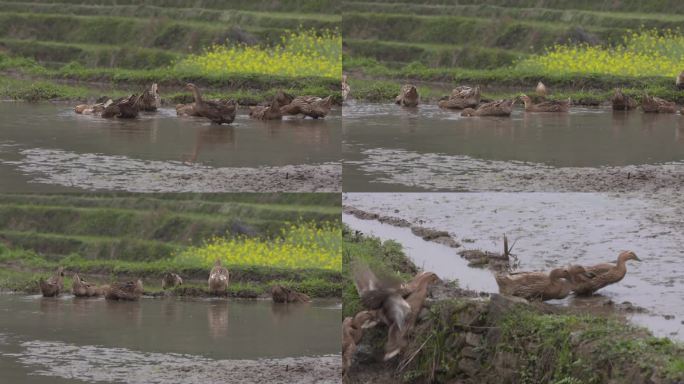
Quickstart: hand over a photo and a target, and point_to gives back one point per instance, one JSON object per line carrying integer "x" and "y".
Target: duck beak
{"x": 636, "y": 258}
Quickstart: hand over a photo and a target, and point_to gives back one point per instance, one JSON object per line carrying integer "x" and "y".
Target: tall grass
{"x": 302, "y": 53}
{"x": 640, "y": 54}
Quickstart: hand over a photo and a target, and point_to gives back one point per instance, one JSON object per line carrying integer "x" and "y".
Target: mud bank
{"x": 93, "y": 363}
{"x": 507, "y": 340}
{"x": 435, "y": 172}
{"x": 99, "y": 172}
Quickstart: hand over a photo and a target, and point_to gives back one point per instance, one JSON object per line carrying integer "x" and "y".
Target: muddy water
{"x": 388, "y": 148}
{"x": 549, "y": 230}
{"x": 46, "y": 147}
{"x": 169, "y": 340}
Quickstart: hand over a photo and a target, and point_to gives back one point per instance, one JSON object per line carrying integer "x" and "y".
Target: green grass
{"x": 117, "y": 236}
{"x": 481, "y": 43}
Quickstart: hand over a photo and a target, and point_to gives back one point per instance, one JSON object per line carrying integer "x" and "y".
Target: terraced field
{"x": 139, "y": 235}
{"x": 480, "y": 41}
{"x": 128, "y": 44}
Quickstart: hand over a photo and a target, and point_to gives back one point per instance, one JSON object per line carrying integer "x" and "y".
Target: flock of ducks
{"x": 397, "y": 305}
{"x": 132, "y": 290}
{"x": 217, "y": 111}
{"x": 560, "y": 282}
{"x": 468, "y": 100}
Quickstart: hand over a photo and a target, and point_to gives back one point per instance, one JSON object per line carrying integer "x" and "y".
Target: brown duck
{"x": 546, "y": 106}
{"x": 346, "y": 89}
{"x": 149, "y": 100}
{"x": 495, "y": 108}
{"x": 397, "y": 305}
{"x": 417, "y": 293}
{"x": 92, "y": 109}
{"x": 123, "y": 108}
{"x": 281, "y": 294}
{"x": 602, "y": 275}
{"x": 129, "y": 290}
{"x": 461, "y": 97}
{"x": 311, "y": 106}
{"x": 679, "y": 81}
{"x": 221, "y": 112}
{"x": 171, "y": 280}
{"x": 54, "y": 285}
{"x": 408, "y": 96}
{"x": 186, "y": 110}
{"x": 352, "y": 331}
{"x": 652, "y": 104}
{"x": 535, "y": 285}
{"x": 266, "y": 112}
{"x": 540, "y": 90}
{"x": 622, "y": 102}
{"x": 81, "y": 288}
{"x": 218, "y": 279}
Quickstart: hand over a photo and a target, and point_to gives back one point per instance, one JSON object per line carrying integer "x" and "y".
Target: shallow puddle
{"x": 549, "y": 230}
{"x": 48, "y": 147}
{"x": 389, "y": 148}
{"x": 162, "y": 340}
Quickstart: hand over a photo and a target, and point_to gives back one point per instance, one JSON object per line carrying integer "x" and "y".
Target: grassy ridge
{"x": 128, "y": 235}
{"x": 130, "y": 45}
{"x": 472, "y": 42}
{"x": 303, "y": 6}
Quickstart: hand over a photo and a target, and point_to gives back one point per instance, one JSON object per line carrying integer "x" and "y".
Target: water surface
{"x": 34, "y": 136}
{"x": 389, "y": 148}
{"x": 103, "y": 340}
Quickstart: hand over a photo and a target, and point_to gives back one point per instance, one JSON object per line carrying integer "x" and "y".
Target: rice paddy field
{"x": 72, "y": 50}
{"x": 291, "y": 239}
{"x": 582, "y": 49}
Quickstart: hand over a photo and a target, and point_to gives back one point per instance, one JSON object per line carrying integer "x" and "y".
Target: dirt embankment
{"x": 467, "y": 339}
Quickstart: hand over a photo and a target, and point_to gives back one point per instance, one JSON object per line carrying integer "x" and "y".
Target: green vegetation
{"x": 503, "y": 340}
{"x": 303, "y": 245}
{"x": 128, "y": 46}
{"x": 580, "y": 50}
{"x": 110, "y": 237}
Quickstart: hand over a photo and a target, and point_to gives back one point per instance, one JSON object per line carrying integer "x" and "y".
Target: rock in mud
{"x": 492, "y": 260}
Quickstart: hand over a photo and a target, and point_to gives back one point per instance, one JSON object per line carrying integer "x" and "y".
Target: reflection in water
{"x": 218, "y": 329}
{"x": 164, "y": 138}
{"x": 584, "y": 138}
{"x": 281, "y": 311}
{"x": 210, "y": 137}
{"x": 217, "y": 314}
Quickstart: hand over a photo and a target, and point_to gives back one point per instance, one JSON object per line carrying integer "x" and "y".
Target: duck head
{"x": 628, "y": 255}
{"x": 412, "y": 91}
{"x": 190, "y": 86}
{"x": 559, "y": 273}
{"x": 217, "y": 263}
